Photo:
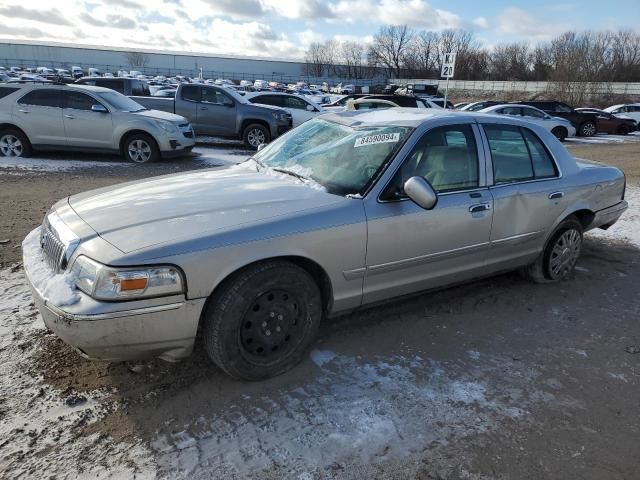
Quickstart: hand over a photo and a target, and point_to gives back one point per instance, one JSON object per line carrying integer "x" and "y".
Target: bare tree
{"x": 389, "y": 47}
{"x": 137, "y": 59}
{"x": 314, "y": 60}
{"x": 352, "y": 57}
{"x": 511, "y": 61}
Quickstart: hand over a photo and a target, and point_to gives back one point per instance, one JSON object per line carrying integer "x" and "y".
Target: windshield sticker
{"x": 380, "y": 138}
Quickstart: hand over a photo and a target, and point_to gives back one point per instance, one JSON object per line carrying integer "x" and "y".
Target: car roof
{"x": 402, "y": 117}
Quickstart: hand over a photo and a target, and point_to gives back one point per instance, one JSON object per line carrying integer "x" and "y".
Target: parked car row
{"x": 619, "y": 119}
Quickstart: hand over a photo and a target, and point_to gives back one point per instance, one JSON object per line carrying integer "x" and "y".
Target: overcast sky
{"x": 283, "y": 28}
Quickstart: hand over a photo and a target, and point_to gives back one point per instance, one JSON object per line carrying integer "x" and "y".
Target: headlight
{"x": 166, "y": 126}
{"x": 279, "y": 116}
{"x": 107, "y": 283}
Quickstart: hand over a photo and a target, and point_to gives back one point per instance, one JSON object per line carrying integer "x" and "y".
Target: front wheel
{"x": 559, "y": 257}
{"x": 14, "y": 143}
{"x": 141, "y": 148}
{"x": 588, "y": 129}
{"x": 262, "y": 320}
{"x": 255, "y": 135}
{"x": 560, "y": 133}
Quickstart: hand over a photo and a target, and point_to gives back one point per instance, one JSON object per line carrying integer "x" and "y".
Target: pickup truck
{"x": 222, "y": 112}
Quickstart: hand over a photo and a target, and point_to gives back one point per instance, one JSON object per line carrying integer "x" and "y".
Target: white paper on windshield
{"x": 380, "y": 138}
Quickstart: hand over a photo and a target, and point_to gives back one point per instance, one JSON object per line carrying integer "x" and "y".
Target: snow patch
{"x": 59, "y": 288}
{"x": 321, "y": 357}
{"x": 627, "y": 228}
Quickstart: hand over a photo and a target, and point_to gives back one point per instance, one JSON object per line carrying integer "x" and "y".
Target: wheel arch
{"x": 13, "y": 126}
{"x": 246, "y": 122}
{"x": 313, "y": 268}
{"x": 129, "y": 133}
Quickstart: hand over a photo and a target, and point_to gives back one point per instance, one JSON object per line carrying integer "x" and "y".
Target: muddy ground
{"x": 498, "y": 379}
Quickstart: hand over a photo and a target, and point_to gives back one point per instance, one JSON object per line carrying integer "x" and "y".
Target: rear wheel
{"x": 255, "y": 135}
{"x": 262, "y": 320}
{"x": 588, "y": 129}
{"x": 559, "y": 257}
{"x": 560, "y": 133}
{"x": 14, "y": 143}
{"x": 141, "y": 148}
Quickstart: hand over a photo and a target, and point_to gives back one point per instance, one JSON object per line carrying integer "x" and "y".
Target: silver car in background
{"x": 86, "y": 118}
{"x": 347, "y": 210}
{"x": 561, "y": 128}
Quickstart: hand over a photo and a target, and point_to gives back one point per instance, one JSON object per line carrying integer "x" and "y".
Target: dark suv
{"x": 586, "y": 123}
{"x": 126, "y": 86}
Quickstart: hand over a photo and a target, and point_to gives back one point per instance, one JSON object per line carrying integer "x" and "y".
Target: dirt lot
{"x": 499, "y": 379}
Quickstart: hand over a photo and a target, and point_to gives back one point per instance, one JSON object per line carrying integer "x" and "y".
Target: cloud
{"x": 309, "y": 9}
{"x": 480, "y": 22}
{"x": 45, "y": 16}
{"x": 519, "y": 22}
{"x": 235, "y": 8}
{"x": 415, "y": 13}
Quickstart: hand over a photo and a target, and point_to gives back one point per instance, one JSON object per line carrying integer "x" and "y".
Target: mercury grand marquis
{"x": 347, "y": 210}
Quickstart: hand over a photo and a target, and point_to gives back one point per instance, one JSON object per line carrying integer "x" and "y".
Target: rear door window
{"x": 191, "y": 93}
{"x": 518, "y": 155}
{"x": 532, "y": 112}
{"x": 46, "y": 97}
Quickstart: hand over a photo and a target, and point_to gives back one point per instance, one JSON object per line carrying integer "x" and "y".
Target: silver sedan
{"x": 347, "y": 210}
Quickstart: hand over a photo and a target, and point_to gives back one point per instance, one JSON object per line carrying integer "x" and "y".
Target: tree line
{"x": 398, "y": 51}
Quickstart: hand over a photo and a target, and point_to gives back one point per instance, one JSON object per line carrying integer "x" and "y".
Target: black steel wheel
{"x": 260, "y": 322}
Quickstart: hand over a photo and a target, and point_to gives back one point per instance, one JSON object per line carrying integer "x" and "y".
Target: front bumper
{"x": 118, "y": 331}
{"x": 606, "y": 217}
{"x": 177, "y": 145}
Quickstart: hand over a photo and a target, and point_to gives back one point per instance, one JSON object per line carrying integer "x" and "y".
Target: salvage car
{"x": 85, "y": 118}
{"x": 618, "y": 123}
{"x": 300, "y": 108}
{"x": 586, "y": 123}
{"x": 560, "y": 127}
{"x": 347, "y": 210}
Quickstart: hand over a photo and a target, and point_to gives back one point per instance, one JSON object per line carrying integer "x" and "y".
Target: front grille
{"x": 53, "y": 249}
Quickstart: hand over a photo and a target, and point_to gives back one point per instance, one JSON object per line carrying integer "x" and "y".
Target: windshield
{"x": 344, "y": 160}
{"x": 120, "y": 102}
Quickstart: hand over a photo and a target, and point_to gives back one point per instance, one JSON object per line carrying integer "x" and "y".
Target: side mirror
{"x": 421, "y": 192}
{"x": 310, "y": 108}
{"x": 99, "y": 108}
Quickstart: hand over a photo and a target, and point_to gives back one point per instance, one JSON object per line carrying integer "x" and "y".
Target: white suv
{"x": 86, "y": 118}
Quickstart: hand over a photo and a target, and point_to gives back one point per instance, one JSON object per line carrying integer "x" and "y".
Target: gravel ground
{"x": 498, "y": 379}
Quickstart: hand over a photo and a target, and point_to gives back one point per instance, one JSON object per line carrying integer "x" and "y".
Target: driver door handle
{"x": 479, "y": 207}
{"x": 23, "y": 110}
{"x": 69, "y": 116}
{"x": 204, "y": 108}
{"x": 556, "y": 195}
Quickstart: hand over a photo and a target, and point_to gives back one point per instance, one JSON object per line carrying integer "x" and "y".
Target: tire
{"x": 140, "y": 148}
{"x": 262, "y": 320}
{"x": 255, "y": 135}
{"x": 560, "y": 133}
{"x": 622, "y": 130}
{"x": 14, "y": 143}
{"x": 560, "y": 254}
{"x": 588, "y": 129}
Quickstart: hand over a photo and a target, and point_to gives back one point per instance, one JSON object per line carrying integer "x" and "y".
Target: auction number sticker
{"x": 380, "y": 138}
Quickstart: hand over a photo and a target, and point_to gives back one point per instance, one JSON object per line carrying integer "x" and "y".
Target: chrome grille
{"x": 53, "y": 249}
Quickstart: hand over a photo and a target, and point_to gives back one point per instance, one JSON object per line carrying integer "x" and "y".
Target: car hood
{"x": 140, "y": 214}
{"x": 160, "y": 115}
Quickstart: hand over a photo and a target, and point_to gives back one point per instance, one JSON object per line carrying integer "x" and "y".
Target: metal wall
{"x": 616, "y": 88}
